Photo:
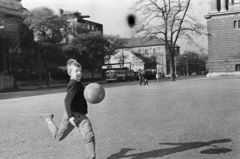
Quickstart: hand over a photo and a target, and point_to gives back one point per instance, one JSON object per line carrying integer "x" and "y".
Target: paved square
{"x": 187, "y": 119}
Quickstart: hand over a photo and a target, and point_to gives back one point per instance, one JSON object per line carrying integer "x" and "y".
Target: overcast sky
{"x": 111, "y": 13}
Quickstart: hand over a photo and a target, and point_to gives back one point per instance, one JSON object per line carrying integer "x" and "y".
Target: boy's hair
{"x": 70, "y": 63}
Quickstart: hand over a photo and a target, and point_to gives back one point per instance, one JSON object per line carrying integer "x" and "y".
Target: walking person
{"x": 157, "y": 76}
{"x": 140, "y": 76}
{"x": 145, "y": 78}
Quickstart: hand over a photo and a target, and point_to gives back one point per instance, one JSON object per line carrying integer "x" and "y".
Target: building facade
{"x": 138, "y": 51}
{"x": 223, "y": 24}
{"x": 9, "y": 9}
{"x": 11, "y": 12}
{"x": 78, "y": 23}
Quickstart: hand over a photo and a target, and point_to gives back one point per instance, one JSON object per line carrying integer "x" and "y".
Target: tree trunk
{"x": 46, "y": 67}
{"x": 39, "y": 69}
{"x": 172, "y": 67}
{"x": 46, "y": 72}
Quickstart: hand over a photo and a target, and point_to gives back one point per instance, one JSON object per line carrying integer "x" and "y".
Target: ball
{"x": 94, "y": 93}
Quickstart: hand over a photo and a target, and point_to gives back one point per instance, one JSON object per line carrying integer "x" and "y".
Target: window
{"x": 236, "y": 24}
{"x": 93, "y": 28}
{"x": 139, "y": 51}
{"x": 237, "y": 67}
{"x": 146, "y": 52}
{"x": 154, "y": 51}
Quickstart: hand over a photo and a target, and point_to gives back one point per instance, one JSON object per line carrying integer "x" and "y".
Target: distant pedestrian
{"x": 140, "y": 76}
{"x": 157, "y": 76}
{"x": 145, "y": 78}
{"x": 76, "y": 109}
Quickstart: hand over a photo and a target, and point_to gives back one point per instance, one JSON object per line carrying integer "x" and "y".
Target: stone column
{"x": 214, "y": 6}
{"x": 223, "y": 6}
{"x": 230, "y": 5}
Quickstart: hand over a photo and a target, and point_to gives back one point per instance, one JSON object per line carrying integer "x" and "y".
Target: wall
{"x": 160, "y": 53}
{"x": 136, "y": 63}
{"x": 6, "y": 82}
{"x": 223, "y": 43}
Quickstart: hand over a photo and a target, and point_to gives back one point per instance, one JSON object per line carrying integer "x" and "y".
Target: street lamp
{"x": 186, "y": 64}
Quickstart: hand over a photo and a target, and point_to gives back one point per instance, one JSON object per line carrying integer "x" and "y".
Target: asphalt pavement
{"x": 192, "y": 118}
{"x": 59, "y": 88}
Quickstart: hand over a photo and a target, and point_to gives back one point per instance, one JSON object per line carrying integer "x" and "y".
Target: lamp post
{"x": 186, "y": 64}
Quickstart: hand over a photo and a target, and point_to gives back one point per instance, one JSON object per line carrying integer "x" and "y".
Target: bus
{"x": 119, "y": 75}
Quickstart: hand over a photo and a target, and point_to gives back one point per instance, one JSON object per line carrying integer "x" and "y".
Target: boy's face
{"x": 76, "y": 73}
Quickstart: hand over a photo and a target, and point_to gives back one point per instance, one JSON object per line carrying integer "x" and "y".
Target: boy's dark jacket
{"x": 74, "y": 100}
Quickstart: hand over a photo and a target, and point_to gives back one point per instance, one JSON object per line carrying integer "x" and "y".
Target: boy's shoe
{"x": 46, "y": 116}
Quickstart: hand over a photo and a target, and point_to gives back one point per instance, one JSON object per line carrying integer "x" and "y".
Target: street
{"x": 187, "y": 119}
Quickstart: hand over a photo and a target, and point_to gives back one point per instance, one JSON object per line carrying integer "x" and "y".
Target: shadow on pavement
{"x": 180, "y": 147}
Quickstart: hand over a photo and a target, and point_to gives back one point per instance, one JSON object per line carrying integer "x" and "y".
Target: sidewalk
{"x": 51, "y": 86}
{"x": 36, "y": 90}
{"x": 59, "y": 86}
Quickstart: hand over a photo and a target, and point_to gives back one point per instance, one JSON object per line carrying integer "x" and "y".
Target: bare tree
{"x": 168, "y": 20}
{"x": 122, "y": 57}
{"x": 115, "y": 43}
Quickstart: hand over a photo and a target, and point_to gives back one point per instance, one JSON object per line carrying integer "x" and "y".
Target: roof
{"x": 142, "y": 42}
{"x": 12, "y": 7}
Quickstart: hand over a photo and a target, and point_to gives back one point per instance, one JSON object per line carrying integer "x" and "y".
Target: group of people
{"x": 142, "y": 77}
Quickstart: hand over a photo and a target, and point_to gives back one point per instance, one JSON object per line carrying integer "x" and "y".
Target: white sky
{"x": 111, "y": 13}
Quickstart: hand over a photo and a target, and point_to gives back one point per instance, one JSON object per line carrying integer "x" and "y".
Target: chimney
{"x": 61, "y": 11}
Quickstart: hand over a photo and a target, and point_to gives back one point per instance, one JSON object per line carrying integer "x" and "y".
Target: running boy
{"x": 76, "y": 110}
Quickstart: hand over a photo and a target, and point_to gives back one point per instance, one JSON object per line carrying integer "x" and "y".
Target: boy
{"x": 76, "y": 110}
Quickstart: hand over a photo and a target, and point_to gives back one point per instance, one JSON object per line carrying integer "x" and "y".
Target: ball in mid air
{"x": 94, "y": 93}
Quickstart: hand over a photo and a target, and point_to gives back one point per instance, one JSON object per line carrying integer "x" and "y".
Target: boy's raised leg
{"x": 51, "y": 125}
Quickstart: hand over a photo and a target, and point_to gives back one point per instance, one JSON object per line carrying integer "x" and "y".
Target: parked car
{"x": 194, "y": 74}
{"x": 119, "y": 75}
{"x": 169, "y": 75}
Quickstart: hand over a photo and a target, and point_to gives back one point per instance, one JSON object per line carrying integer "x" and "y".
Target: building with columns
{"x": 223, "y": 24}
